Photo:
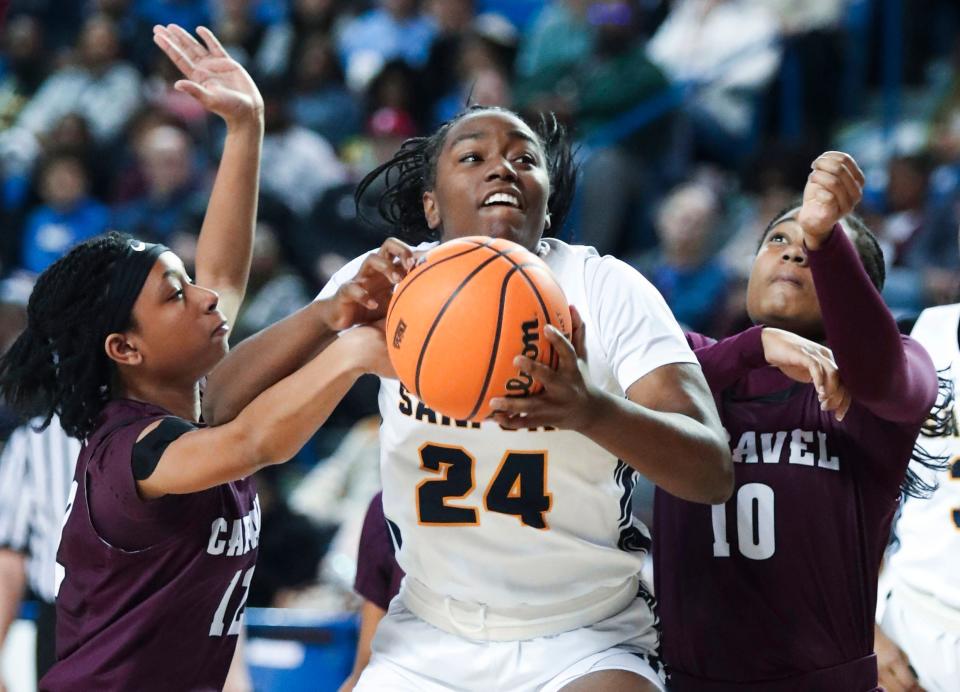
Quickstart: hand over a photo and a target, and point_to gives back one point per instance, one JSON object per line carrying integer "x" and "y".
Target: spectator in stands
{"x": 298, "y": 165}
{"x": 453, "y": 19}
{"x": 481, "y": 66}
{"x": 23, "y": 66}
{"x": 240, "y": 32}
{"x": 604, "y": 81}
{"x": 101, "y": 86}
{"x": 730, "y": 48}
{"x": 319, "y": 97}
{"x": 284, "y": 40}
{"x": 67, "y": 216}
{"x": 918, "y": 237}
{"x": 395, "y": 29}
{"x": 273, "y": 290}
{"x": 172, "y": 187}
{"x": 692, "y": 281}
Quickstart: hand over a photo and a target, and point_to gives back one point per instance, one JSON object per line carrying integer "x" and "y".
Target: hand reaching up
{"x": 211, "y": 76}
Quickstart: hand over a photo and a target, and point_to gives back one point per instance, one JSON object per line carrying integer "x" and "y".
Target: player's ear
{"x": 430, "y": 210}
{"x": 546, "y": 222}
{"x": 122, "y": 350}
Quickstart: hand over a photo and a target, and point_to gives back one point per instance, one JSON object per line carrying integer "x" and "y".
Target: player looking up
{"x": 775, "y": 590}
{"x": 161, "y": 535}
{"x": 521, "y": 554}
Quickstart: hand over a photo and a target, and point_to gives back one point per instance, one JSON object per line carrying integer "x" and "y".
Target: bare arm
{"x": 667, "y": 427}
{"x": 273, "y": 427}
{"x": 223, "y": 87}
{"x": 370, "y": 616}
{"x": 272, "y": 354}
{"x": 13, "y": 581}
{"x": 238, "y": 677}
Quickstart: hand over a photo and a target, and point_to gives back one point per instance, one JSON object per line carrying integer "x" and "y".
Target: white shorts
{"x": 928, "y": 632}
{"x": 409, "y": 655}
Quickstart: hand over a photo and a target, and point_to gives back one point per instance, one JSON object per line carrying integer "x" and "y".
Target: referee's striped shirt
{"x": 36, "y": 472}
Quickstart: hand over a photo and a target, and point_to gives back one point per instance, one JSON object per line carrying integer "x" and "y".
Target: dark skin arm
{"x": 223, "y": 87}
{"x": 667, "y": 427}
{"x": 274, "y": 353}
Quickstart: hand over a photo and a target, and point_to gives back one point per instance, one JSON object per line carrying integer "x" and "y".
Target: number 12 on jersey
{"x": 518, "y": 487}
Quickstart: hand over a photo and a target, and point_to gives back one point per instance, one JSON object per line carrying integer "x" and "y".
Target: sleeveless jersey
{"x": 929, "y": 529}
{"x": 166, "y": 614}
{"x": 528, "y": 517}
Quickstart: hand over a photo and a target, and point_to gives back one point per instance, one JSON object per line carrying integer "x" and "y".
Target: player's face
{"x": 177, "y": 327}
{"x": 491, "y": 180}
{"x": 780, "y": 292}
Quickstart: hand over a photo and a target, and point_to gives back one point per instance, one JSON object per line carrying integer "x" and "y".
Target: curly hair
{"x": 868, "y": 248}
{"x": 57, "y": 366}
{"x": 413, "y": 171}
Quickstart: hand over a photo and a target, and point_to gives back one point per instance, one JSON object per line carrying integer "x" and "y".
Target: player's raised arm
{"x": 859, "y": 327}
{"x": 223, "y": 87}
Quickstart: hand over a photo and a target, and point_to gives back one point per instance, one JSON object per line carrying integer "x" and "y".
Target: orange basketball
{"x": 461, "y": 316}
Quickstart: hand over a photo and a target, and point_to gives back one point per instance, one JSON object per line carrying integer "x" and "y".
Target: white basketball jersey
{"x": 929, "y": 529}
{"x": 537, "y": 517}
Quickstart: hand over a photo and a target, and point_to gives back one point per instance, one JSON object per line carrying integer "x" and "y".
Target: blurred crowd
{"x": 696, "y": 122}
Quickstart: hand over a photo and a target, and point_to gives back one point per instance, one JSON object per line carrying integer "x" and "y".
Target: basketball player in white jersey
{"x": 921, "y": 614}
{"x": 516, "y": 535}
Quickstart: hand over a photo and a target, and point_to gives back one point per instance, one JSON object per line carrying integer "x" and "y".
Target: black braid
{"x": 942, "y": 422}
{"x": 58, "y": 366}
{"x": 868, "y": 248}
{"x": 413, "y": 169}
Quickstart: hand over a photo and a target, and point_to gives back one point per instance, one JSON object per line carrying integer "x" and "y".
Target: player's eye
{"x": 527, "y": 159}
{"x": 472, "y": 157}
{"x": 778, "y": 238}
{"x": 177, "y": 295}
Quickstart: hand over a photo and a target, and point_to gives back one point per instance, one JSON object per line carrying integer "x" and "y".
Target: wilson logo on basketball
{"x": 398, "y": 333}
{"x": 530, "y": 335}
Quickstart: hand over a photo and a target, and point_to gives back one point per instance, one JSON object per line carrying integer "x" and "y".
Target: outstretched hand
{"x": 807, "y": 361}
{"x": 365, "y": 297}
{"x": 212, "y": 77}
{"x": 566, "y": 400}
{"x": 834, "y": 188}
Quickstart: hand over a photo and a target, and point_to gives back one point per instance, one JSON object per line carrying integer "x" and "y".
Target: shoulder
{"x": 937, "y": 324}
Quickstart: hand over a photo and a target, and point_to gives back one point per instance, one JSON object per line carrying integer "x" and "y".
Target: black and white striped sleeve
{"x": 15, "y": 492}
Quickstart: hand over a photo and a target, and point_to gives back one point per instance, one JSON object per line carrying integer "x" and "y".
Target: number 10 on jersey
{"x": 754, "y": 514}
{"x": 518, "y": 487}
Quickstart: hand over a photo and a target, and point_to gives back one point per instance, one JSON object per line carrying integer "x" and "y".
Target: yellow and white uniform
{"x": 922, "y": 610}
{"x": 523, "y": 540}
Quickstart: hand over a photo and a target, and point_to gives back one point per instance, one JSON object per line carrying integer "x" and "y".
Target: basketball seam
{"x": 543, "y": 304}
{"x": 496, "y": 343}
{"x": 440, "y": 313}
{"x": 396, "y": 297}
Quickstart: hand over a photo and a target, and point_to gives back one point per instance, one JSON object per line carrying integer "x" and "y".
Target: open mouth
{"x": 502, "y": 199}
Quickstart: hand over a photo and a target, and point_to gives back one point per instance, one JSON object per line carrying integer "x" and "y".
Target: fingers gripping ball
{"x": 461, "y": 316}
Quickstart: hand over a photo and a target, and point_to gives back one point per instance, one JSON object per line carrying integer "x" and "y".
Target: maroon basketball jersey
{"x": 152, "y": 592}
{"x": 378, "y": 574}
{"x": 777, "y": 587}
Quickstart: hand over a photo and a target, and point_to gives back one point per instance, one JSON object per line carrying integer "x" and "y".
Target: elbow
{"x": 719, "y": 486}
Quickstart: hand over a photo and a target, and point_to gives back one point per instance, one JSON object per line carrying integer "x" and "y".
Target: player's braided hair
{"x": 413, "y": 170}
{"x": 942, "y": 422}
{"x": 871, "y": 255}
{"x": 58, "y": 364}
